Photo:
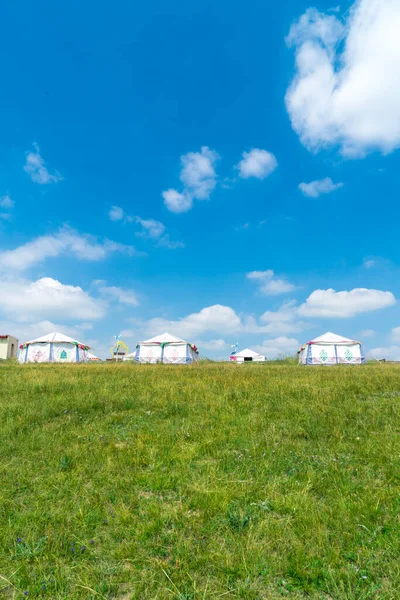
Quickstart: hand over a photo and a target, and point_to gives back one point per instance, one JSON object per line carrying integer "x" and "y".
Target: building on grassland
{"x": 8, "y": 347}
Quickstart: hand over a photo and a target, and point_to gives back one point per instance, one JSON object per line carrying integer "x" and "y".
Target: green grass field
{"x": 209, "y": 481}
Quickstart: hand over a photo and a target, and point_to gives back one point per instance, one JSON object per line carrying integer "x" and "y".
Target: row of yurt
{"x": 165, "y": 348}
{"x": 327, "y": 349}
{"x": 55, "y": 347}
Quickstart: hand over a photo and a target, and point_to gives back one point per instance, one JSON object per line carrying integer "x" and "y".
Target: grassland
{"x": 203, "y": 482}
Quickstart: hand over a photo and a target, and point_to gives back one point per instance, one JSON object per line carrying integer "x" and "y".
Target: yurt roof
{"x": 165, "y": 338}
{"x": 330, "y": 338}
{"x": 247, "y": 352}
{"x": 56, "y": 338}
{"x": 91, "y": 356}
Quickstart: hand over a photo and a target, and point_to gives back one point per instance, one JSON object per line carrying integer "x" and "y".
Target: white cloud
{"x": 211, "y": 345}
{"x": 323, "y": 100}
{"x": 269, "y": 284}
{"x": 368, "y": 263}
{"x": 367, "y": 333}
{"x": 150, "y": 228}
{"x": 198, "y": 172}
{"x": 6, "y": 202}
{"x": 177, "y": 202}
{"x": 116, "y": 213}
{"x": 395, "y": 334}
{"x": 284, "y": 320}
{"x": 212, "y": 318}
{"x": 318, "y": 187}
{"x": 388, "y": 352}
{"x": 280, "y": 346}
{"x": 64, "y": 242}
{"x": 329, "y": 303}
{"x": 198, "y": 177}
{"x": 28, "y": 331}
{"x": 36, "y": 168}
{"x": 257, "y": 163}
{"x": 224, "y": 320}
{"x": 47, "y": 298}
{"x": 117, "y": 294}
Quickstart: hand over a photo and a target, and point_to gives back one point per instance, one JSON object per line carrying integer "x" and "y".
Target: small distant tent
{"x": 331, "y": 349}
{"x": 165, "y": 348}
{"x": 54, "y": 347}
{"x": 90, "y": 357}
{"x": 247, "y": 355}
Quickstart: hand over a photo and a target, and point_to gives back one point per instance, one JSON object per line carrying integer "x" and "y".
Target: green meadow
{"x": 202, "y": 482}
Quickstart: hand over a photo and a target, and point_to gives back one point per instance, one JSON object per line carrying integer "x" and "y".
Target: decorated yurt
{"x": 246, "y": 355}
{"x": 165, "y": 348}
{"x": 331, "y": 349}
{"x": 54, "y": 347}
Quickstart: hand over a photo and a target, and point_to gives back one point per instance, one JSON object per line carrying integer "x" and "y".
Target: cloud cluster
{"x": 6, "y": 204}
{"x": 149, "y": 228}
{"x": 280, "y": 346}
{"x": 37, "y": 170}
{"x": 318, "y": 187}
{"x": 117, "y": 294}
{"x": 198, "y": 177}
{"x": 270, "y": 285}
{"x": 66, "y": 241}
{"x": 346, "y": 90}
{"x": 345, "y": 304}
{"x": 26, "y": 301}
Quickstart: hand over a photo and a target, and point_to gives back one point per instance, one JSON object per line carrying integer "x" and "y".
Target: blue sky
{"x": 225, "y": 173}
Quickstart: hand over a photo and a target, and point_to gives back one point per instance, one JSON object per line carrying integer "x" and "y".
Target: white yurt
{"x": 246, "y": 355}
{"x": 165, "y": 348}
{"x": 54, "y": 347}
{"x": 331, "y": 349}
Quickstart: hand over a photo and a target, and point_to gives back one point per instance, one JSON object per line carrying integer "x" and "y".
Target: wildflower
{"x": 26, "y": 593}
{"x": 83, "y": 549}
{"x": 92, "y": 541}
{"x": 19, "y": 540}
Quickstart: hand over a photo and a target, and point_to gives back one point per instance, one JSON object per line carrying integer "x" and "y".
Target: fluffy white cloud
{"x": 117, "y": 294}
{"x": 198, "y": 177}
{"x": 329, "y": 303}
{"x": 213, "y": 318}
{"x": 64, "y": 242}
{"x": 269, "y": 284}
{"x": 283, "y": 320}
{"x": 198, "y": 172}
{"x": 318, "y": 187}
{"x": 116, "y": 213}
{"x": 36, "y": 168}
{"x": 6, "y": 202}
{"x": 177, "y": 202}
{"x": 257, "y": 163}
{"x": 349, "y": 97}
{"x": 47, "y": 298}
{"x": 280, "y": 346}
